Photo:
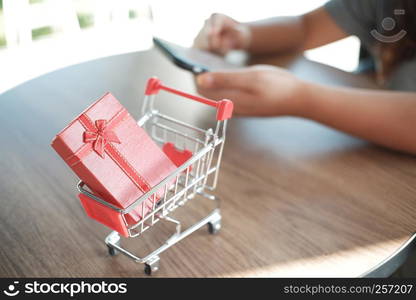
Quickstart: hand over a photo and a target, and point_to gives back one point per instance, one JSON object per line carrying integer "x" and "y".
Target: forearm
{"x": 384, "y": 117}
{"x": 294, "y": 34}
{"x": 276, "y": 35}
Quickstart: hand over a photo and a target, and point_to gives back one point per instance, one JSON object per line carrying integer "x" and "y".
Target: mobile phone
{"x": 180, "y": 56}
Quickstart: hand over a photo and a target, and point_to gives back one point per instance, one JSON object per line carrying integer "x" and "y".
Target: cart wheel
{"x": 147, "y": 269}
{"x": 152, "y": 265}
{"x": 112, "y": 251}
{"x": 214, "y": 227}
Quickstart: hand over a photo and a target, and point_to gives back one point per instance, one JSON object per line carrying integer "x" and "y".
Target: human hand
{"x": 221, "y": 34}
{"x": 258, "y": 90}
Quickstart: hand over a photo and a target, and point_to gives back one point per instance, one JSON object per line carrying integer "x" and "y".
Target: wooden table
{"x": 298, "y": 198}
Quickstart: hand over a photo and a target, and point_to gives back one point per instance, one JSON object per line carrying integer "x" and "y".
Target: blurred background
{"x": 39, "y": 36}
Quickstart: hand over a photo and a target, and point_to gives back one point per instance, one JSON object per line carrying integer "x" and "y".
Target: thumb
{"x": 236, "y": 79}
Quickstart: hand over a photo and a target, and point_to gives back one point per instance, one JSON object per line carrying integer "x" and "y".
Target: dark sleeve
{"x": 355, "y": 17}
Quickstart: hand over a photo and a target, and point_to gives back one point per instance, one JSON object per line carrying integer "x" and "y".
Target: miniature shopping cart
{"x": 197, "y": 176}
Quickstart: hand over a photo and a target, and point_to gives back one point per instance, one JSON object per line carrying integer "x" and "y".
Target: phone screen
{"x": 192, "y": 59}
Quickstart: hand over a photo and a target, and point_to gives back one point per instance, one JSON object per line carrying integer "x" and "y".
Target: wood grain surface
{"x": 298, "y": 198}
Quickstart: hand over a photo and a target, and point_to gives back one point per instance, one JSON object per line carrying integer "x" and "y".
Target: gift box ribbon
{"x": 99, "y": 137}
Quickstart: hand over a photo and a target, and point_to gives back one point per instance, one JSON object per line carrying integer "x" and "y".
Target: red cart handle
{"x": 224, "y": 107}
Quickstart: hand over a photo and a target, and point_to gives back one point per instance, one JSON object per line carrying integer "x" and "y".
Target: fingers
{"x": 243, "y": 101}
{"x": 233, "y": 79}
{"x": 237, "y": 96}
{"x": 215, "y": 26}
{"x": 219, "y": 94}
{"x": 201, "y": 40}
{"x": 236, "y": 85}
{"x": 226, "y": 45}
{"x": 213, "y": 37}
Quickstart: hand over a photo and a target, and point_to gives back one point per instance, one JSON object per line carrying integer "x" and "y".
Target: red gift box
{"x": 105, "y": 215}
{"x": 113, "y": 156}
{"x": 108, "y": 216}
{"x": 178, "y": 157}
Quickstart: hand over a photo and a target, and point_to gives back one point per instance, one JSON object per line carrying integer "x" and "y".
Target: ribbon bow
{"x": 100, "y": 137}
